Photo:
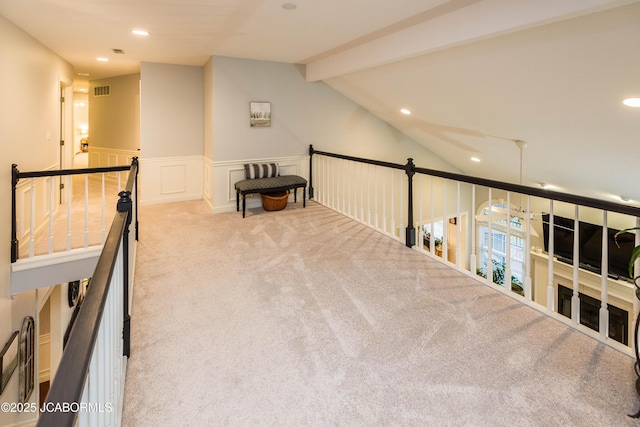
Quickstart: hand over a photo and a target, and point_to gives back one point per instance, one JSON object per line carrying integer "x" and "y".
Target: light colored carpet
{"x": 303, "y": 317}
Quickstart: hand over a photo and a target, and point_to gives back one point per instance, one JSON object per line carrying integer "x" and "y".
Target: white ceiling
{"x": 476, "y": 74}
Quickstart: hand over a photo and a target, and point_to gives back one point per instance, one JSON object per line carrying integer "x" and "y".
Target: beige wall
{"x": 172, "y": 100}
{"x": 114, "y": 120}
{"x": 30, "y": 77}
{"x": 303, "y": 113}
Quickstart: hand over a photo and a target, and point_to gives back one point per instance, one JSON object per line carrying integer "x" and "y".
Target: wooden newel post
{"x": 410, "y": 237}
{"x": 14, "y": 224}
{"x": 311, "y": 151}
{"x": 125, "y": 204}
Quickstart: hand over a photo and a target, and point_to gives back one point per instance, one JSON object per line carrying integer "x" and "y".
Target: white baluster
{"x": 32, "y": 218}
{"x": 51, "y": 205}
{"x": 348, "y": 176}
{"x": 83, "y": 416}
{"x": 69, "y": 201}
{"x": 445, "y": 227}
{"x": 527, "y": 259}
{"x": 384, "y": 201}
{"x": 103, "y": 218}
{"x": 420, "y": 220}
{"x": 636, "y": 273}
{"x": 575, "y": 298}
{"x": 401, "y": 203}
{"x": 458, "y": 230}
{"x": 507, "y": 268}
{"x": 369, "y": 194}
{"x": 362, "y": 193}
{"x": 93, "y": 383}
{"x": 343, "y": 187}
{"x": 604, "y": 294}
{"x": 393, "y": 207}
{"x": 102, "y": 366}
{"x": 474, "y": 259}
{"x": 432, "y": 239}
{"x": 322, "y": 181}
{"x": 375, "y": 197}
{"x": 86, "y": 210}
{"x": 550, "y": 284}
{"x": 490, "y": 239}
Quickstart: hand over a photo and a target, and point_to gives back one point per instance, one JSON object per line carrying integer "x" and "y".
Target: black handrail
{"x": 16, "y": 175}
{"x": 516, "y": 188}
{"x": 68, "y": 384}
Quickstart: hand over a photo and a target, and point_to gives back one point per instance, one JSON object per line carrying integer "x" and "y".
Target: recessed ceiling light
{"x": 140, "y": 32}
{"x": 84, "y": 74}
{"x": 289, "y": 6}
{"x": 625, "y": 199}
{"x": 405, "y": 111}
{"x": 102, "y": 59}
{"x": 632, "y": 102}
{"x": 475, "y": 159}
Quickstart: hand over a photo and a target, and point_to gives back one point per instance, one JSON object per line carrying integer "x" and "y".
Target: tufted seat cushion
{"x": 270, "y": 184}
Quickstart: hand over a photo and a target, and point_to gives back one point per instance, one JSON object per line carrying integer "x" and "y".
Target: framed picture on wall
{"x": 260, "y": 114}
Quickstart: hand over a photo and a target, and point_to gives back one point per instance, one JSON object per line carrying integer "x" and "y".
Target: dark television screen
{"x": 590, "y": 245}
{"x": 562, "y": 236}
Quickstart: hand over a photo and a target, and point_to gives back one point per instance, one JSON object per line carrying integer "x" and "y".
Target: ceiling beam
{"x": 472, "y": 22}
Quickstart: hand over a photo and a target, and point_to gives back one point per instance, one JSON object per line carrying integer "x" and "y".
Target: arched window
{"x": 26, "y": 362}
{"x": 499, "y": 227}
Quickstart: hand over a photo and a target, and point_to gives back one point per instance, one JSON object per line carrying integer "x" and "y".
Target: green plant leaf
{"x": 635, "y": 254}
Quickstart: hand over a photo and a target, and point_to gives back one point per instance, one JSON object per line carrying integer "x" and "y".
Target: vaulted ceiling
{"x": 476, "y": 74}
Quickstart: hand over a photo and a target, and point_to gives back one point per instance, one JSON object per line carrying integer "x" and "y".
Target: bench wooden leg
{"x": 237, "y": 201}
{"x": 304, "y": 197}
{"x": 244, "y": 204}
{"x": 295, "y": 195}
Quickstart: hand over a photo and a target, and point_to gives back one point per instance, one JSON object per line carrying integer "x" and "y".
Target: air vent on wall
{"x": 102, "y": 90}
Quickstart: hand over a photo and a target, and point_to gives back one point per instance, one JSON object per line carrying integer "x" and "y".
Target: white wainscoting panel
{"x": 227, "y": 173}
{"x": 207, "y": 182}
{"x": 100, "y": 157}
{"x": 42, "y": 198}
{"x": 171, "y": 179}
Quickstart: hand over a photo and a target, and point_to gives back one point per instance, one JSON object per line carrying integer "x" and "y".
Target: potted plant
{"x": 498, "y": 271}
